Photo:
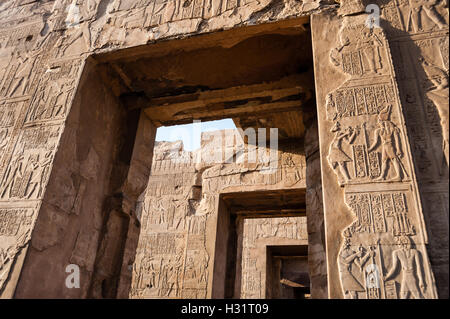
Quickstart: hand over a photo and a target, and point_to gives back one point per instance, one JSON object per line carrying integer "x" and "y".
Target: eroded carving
{"x": 15, "y": 232}
{"x": 29, "y": 168}
{"x": 348, "y": 262}
{"x": 409, "y": 259}
{"x": 439, "y": 94}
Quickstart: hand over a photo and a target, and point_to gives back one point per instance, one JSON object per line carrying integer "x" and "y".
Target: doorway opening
{"x": 287, "y": 272}
{"x": 258, "y": 76}
{"x": 262, "y": 245}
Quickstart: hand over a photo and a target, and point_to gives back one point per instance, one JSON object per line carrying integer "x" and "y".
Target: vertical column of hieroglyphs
{"x": 37, "y": 84}
{"x": 367, "y": 164}
{"x": 418, "y": 32}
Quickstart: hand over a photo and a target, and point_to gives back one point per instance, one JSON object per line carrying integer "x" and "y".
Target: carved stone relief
{"x": 256, "y": 234}
{"x": 29, "y": 167}
{"x": 415, "y": 16}
{"x": 15, "y": 232}
{"x": 179, "y": 210}
{"x": 368, "y": 151}
{"x": 383, "y": 222}
{"x": 42, "y": 48}
{"x": 55, "y": 92}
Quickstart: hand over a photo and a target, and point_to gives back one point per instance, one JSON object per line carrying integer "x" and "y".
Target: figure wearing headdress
{"x": 391, "y": 149}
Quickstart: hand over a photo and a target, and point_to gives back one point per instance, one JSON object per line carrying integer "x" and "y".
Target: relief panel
{"x": 364, "y": 142}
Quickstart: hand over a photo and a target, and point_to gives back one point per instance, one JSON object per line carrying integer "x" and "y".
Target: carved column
{"x": 375, "y": 232}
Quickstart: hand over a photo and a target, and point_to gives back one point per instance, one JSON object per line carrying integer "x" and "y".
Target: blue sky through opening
{"x": 190, "y": 133}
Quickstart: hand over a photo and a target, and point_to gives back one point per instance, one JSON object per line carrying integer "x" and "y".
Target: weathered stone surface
{"x": 365, "y": 149}
{"x": 179, "y": 216}
{"x": 85, "y": 84}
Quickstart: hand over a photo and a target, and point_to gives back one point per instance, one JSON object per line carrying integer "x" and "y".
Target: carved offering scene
{"x": 224, "y": 149}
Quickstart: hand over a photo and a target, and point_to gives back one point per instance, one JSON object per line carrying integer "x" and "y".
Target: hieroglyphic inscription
{"x": 258, "y": 232}
{"x": 372, "y": 209}
{"x": 55, "y": 92}
{"x": 354, "y": 101}
{"x": 12, "y": 219}
{"x": 29, "y": 168}
{"x": 367, "y": 146}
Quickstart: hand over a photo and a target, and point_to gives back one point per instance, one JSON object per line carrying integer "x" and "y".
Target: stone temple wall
{"x": 384, "y": 146}
{"x": 179, "y": 216}
{"x": 378, "y": 139}
{"x": 257, "y": 234}
{"x": 44, "y": 47}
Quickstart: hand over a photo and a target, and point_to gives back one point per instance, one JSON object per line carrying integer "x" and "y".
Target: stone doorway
{"x": 288, "y": 272}
{"x": 260, "y": 76}
{"x": 262, "y": 241}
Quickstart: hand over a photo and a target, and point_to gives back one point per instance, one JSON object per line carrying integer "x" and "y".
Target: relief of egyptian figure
{"x": 23, "y": 73}
{"x": 391, "y": 149}
{"x": 335, "y": 53}
{"x": 418, "y": 9}
{"x": 78, "y": 27}
{"x": 14, "y": 173}
{"x": 362, "y": 55}
{"x": 439, "y": 94}
{"x": 347, "y": 259}
{"x": 38, "y": 169}
{"x": 369, "y": 44}
{"x": 409, "y": 261}
{"x": 336, "y": 156}
{"x": 3, "y": 139}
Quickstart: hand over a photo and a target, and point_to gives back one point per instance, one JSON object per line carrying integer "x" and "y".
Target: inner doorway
{"x": 287, "y": 272}
{"x": 262, "y": 239}
{"x": 259, "y": 76}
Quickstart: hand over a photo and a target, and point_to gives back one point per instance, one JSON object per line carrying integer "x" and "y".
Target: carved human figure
{"x": 292, "y": 172}
{"x": 27, "y": 62}
{"x": 171, "y": 276}
{"x": 78, "y": 25}
{"x": 391, "y": 150}
{"x": 408, "y": 259}
{"x": 14, "y": 172}
{"x": 369, "y": 44}
{"x": 336, "y": 53}
{"x": 23, "y": 73}
{"x": 336, "y": 156}
{"x": 38, "y": 171}
{"x": 439, "y": 94}
{"x": 416, "y": 7}
{"x": 346, "y": 259}
{"x": 152, "y": 267}
{"x": 3, "y": 138}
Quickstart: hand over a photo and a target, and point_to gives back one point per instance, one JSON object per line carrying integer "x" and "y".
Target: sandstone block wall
{"x": 179, "y": 218}
{"x": 51, "y": 88}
